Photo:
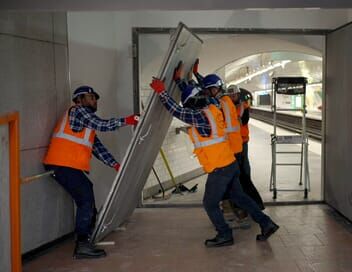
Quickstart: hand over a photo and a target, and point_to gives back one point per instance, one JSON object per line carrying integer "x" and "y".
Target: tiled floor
{"x": 311, "y": 238}
{"x": 260, "y": 159}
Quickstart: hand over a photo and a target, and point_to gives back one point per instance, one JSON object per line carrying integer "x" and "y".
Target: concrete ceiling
{"x": 170, "y": 4}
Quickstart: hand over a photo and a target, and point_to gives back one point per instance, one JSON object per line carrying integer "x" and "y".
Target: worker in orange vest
{"x": 242, "y": 107}
{"x": 237, "y": 131}
{"x": 212, "y": 149}
{"x": 242, "y": 102}
{"x": 73, "y": 142}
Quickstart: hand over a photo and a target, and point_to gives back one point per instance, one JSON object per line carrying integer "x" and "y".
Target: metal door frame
{"x": 245, "y": 31}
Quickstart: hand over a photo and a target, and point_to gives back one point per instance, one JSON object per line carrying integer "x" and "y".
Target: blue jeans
{"x": 217, "y": 183}
{"x": 77, "y": 184}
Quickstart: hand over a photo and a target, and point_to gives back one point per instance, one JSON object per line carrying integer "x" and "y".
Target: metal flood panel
{"x": 5, "y": 242}
{"x": 338, "y": 144}
{"x": 125, "y": 193}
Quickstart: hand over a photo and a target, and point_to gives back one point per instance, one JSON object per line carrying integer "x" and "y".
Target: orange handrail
{"x": 12, "y": 119}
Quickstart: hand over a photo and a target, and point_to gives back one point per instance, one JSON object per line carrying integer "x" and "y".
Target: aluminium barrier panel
{"x": 125, "y": 193}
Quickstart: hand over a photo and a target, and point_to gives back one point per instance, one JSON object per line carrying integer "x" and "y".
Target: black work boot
{"x": 270, "y": 229}
{"x": 219, "y": 241}
{"x": 86, "y": 250}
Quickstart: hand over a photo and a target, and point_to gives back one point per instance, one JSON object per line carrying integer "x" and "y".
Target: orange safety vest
{"x": 69, "y": 148}
{"x": 213, "y": 151}
{"x": 232, "y": 124}
{"x": 244, "y": 128}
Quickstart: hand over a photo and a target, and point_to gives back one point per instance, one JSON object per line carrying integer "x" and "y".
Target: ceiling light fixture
{"x": 262, "y": 71}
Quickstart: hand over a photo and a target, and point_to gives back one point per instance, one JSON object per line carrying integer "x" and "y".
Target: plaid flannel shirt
{"x": 195, "y": 118}
{"x": 83, "y": 117}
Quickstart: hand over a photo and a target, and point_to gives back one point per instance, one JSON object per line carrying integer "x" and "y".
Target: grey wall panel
{"x": 5, "y": 246}
{"x": 31, "y": 161}
{"x": 63, "y": 93}
{"x": 46, "y": 213}
{"x": 338, "y": 159}
{"x": 47, "y": 210}
{"x": 34, "y": 81}
{"x": 60, "y": 27}
{"x": 32, "y": 25}
{"x": 27, "y": 75}
{"x": 126, "y": 191}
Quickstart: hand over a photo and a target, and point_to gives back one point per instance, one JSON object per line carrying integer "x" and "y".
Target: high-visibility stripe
{"x": 216, "y": 139}
{"x": 198, "y": 144}
{"x": 214, "y": 129}
{"x": 232, "y": 129}
{"x": 229, "y": 127}
{"x": 83, "y": 141}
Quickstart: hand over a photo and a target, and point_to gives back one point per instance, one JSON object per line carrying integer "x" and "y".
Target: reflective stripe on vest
{"x": 83, "y": 141}
{"x": 216, "y": 139}
{"x": 229, "y": 127}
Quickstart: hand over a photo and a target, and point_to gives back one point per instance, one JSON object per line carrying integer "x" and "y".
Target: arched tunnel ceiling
{"x": 219, "y": 50}
{"x": 256, "y": 71}
{"x": 222, "y": 53}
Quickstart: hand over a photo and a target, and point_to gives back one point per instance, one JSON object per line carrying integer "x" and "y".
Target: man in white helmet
{"x": 234, "y": 92}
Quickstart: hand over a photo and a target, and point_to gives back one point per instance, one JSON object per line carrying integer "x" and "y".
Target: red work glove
{"x": 132, "y": 119}
{"x": 117, "y": 167}
{"x": 157, "y": 85}
{"x": 195, "y": 66}
{"x": 178, "y": 72}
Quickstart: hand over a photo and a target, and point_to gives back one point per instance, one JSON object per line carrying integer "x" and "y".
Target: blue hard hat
{"x": 188, "y": 92}
{"x": 212, "y": 80}
{"x": 84, "y": 90}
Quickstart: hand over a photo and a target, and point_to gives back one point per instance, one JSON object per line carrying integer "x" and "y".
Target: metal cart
{"x": 292, "y": 86}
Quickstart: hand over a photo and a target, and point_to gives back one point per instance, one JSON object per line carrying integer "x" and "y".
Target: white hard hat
{"x": 233, "y": 89}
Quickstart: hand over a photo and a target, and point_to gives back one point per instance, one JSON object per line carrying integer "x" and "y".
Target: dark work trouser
{"x": 245, "y": 166}
{"x": 77, "y": 184}
{"x": 216, "y": 186}
{"x": 245, "y": 177}
{"x": 247, "y": 185}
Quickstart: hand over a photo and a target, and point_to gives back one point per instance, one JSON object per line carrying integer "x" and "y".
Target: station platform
{"x": 316, "y": 114}
{"x": 259, "y": 149}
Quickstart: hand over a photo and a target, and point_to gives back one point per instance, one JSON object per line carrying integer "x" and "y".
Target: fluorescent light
{"x": 262, "y": 71}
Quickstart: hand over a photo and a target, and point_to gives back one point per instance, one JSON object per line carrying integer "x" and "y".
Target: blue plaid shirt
{"x": 83, "y": 117}
{"x": 195, "y": 118}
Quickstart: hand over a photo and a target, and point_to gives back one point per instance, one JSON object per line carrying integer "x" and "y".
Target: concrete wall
{"x": 34, "y": 81}
{"x": 101, "y": 55}
{"x": 338, "y": 134}
{"x": 5, "y": 246}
